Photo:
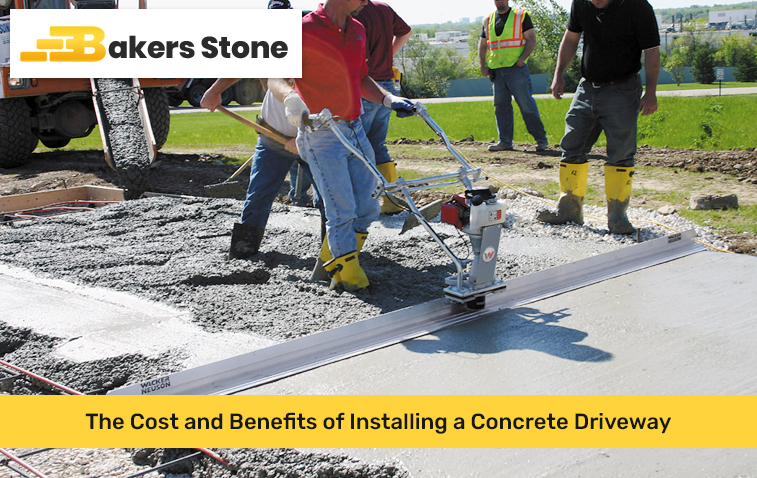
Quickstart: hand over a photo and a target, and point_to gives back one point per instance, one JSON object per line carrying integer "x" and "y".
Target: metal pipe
{"x": 421, "y": 111}
{"x": 427, "y": 227}
{"x": 70, "y": 391}
{"x": 20, "y": 462}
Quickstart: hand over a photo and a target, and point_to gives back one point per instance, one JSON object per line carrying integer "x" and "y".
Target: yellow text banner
{"x": 395, "y": 421}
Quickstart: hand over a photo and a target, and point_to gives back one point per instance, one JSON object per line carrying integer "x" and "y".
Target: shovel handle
{"x": 257, "y": 127}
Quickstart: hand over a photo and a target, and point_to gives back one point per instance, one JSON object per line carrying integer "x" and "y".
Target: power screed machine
{"x": 475, "y": 212}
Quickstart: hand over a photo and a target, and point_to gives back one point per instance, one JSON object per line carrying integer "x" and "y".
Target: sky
{"x": 416, "y": 12}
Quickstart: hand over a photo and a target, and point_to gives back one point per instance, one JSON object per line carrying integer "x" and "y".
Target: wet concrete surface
{"x": 163, "y": 263}
{"x": 684, "y": 327}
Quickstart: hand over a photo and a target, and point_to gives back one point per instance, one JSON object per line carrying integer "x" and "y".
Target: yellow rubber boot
{"x": 319, "y": 273}
{"x": 361, "y": 238}
{"x": 346, "y": 273}
{"x": 618, "y": 190}
{"x": 389, "y": 171}
{"x": 573, "y": 178}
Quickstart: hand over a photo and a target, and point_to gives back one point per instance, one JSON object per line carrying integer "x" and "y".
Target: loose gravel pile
{"x": 174, "y": 251}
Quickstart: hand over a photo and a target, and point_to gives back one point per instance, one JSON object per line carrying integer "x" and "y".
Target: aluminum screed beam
{"x": 289, "y": 358}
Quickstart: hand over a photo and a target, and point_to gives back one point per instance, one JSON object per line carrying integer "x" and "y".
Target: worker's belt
{"x": 262, "y": 122}
{"x": 600, "y": 84}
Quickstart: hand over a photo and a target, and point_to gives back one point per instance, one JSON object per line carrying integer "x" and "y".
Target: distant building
{"x": 465, "y": 20}
{"x": 461, "y": 47}
{"x": 450, "y": 36}
{"x": 421, "y": 36}
{"x": 725, "y": 19}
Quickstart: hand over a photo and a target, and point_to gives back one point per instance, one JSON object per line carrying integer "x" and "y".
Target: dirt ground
{"x": 188, "y": 173}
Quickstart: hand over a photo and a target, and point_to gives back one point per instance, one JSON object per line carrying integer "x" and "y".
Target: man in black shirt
{"x": 608, "y": 99}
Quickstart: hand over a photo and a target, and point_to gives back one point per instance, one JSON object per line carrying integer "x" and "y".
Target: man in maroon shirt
{"x": 335, "y": 76}
{"x": 386, "y": 33}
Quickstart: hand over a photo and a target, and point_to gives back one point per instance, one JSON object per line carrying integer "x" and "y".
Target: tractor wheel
{"x": 195, "y": 94}
{"x": 16, "y": 131}
{"x": 160, "y": 115}
{"x": 55, "y": 143}
{"x": 248, "y": 91}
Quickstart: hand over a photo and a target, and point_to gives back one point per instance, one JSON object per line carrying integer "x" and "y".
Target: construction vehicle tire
{"x": 195, "y": 94}
{"x": 16, "y": 131}
{"x": 33, "y": 144}
{"x": 55, "y": 143}
{"x": 247, "y": 91}
{"x": 175, "y": 99}
{"x": 227, "y": 96}
{"x": 158, "y": 109}
{"x": 135, "y": 181}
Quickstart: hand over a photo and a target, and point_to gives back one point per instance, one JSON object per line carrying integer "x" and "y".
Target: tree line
{"x": 703, "y": 54}
{"x": 427, "y": 70}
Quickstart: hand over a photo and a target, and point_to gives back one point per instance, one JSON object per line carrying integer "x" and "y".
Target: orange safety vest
{"x": 505, "y": 49}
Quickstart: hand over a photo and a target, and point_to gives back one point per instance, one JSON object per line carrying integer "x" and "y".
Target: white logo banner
{"x": 160, "y": 43}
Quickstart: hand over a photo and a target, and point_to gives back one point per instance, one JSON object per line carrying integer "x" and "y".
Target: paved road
{"x": 470, "y": 99}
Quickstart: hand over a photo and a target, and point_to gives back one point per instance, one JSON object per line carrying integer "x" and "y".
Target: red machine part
{"x": 456, "y": 211}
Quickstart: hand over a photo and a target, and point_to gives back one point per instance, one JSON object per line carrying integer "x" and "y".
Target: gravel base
{"x": 173, "y": 251}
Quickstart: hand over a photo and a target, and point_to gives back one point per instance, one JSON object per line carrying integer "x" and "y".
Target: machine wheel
{"x": 195, "y": 94}
{"x": 248, "y": 91}
{"x": 16, "y": 131}
{"x": 55, "y": 143}
{"x": 160, "y": 115}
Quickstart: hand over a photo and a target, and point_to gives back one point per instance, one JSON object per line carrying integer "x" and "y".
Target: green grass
{"x": 743, "y": 219}
{"x": 197, "y": 133}
{"x": 712, "y": 123}
{"x": 700, "y": 86}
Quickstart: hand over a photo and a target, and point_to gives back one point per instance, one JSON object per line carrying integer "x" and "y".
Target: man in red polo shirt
{"x": 335, "y": 76}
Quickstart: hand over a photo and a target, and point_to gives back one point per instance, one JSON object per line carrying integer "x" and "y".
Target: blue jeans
{"x": 344, "y": 182}
{"x": 515, "y": 82}
{"x": 270, "y": 165}
{"x": 305, "y": 183}
{"x": 613, "y": 109}
{"x": 375, "y": 120}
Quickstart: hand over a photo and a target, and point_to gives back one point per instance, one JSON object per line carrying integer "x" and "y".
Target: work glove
{"x": 402, "y": 106}
{"x": 295, "y": 109}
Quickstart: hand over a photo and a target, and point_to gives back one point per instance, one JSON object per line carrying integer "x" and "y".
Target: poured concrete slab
{"x": 683, "y": 327}
{"x": 100, "y": 323}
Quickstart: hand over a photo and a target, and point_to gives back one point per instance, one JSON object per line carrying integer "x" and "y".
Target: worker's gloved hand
{"x": 402, "y": 106}
{"x": 295, "y": 109}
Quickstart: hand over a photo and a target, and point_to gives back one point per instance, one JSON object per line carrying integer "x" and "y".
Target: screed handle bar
{"x": 257, "y": 127}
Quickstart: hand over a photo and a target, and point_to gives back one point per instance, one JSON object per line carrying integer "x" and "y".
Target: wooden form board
{"x": 21, "y": 202}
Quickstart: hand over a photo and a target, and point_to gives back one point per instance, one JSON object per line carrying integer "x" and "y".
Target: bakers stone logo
{"x": 74, "y": 42}
{"x": 85, "y": 44}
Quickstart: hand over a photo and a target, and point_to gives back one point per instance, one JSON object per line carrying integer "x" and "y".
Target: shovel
{"x": 429, "y": 211}
{"x": 230, "y": 187}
